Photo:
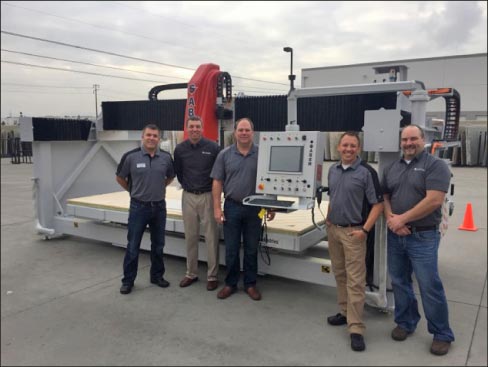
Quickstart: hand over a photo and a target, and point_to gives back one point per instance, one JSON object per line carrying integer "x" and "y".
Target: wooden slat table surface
{"x": 295, "y": 223}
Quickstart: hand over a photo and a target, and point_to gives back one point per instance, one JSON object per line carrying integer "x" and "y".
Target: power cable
{"x": 120, "y": 77}
{"x": 133, "y": 71}
{"x": 263, "y": 243}
{"x": 195, "y": 28}
{"x": 42, "y": 92}
{"x": 42, "y": 86}
{"x": 90, "y": 24}
{"x": 81, "y": 72}
{"x": 123, "y": 69}
{"x": 124, "y": 56}
{"x": 88, "y": 63}
{"x": 95, "y": 50}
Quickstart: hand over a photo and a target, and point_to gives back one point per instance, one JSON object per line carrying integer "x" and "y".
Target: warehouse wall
{"x": 466, "y": 73}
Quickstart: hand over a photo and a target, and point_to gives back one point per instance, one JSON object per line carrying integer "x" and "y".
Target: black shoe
{"x": 126, "y": 289}
{"x": 160, "y": 282}
{"x": 357, "y": 342}
{"x": 337, "y": 320}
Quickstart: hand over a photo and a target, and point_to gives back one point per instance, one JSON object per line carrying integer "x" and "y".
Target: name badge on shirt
{"x": 141, "y": 165}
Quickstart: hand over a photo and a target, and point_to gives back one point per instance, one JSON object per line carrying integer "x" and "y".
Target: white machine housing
{"x": 68, "y": 169}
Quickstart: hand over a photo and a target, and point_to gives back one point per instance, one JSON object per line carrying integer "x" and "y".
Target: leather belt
{"x": 349, "y": 225}
{"x": 234, "y": 201}
{"x": 147, "y": 203}
{"x": 422, "y": 228}
{"x": 197, "y": 192}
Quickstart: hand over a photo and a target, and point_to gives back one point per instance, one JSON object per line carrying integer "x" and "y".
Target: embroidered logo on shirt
{"x": 419, "y": 169}
{"x": 208, "y": 153}
{"x": 141, "y": 165}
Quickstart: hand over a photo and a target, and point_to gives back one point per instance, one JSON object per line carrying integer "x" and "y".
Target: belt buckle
{"x": 195, "y": 192}
{"x": 414, "y": 229}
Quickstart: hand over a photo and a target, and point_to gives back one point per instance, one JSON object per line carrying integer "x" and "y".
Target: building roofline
{"x": 395, "y": 61}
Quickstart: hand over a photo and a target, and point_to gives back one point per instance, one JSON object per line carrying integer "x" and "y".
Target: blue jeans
{"x": 417, "y": 253}
{"x": 241, "y": 220}
{"x": 140, "y": 216}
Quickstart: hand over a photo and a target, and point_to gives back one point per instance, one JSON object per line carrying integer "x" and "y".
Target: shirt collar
{"x": 145, "y": 152}
{"x": 354, "y": 164}
{"x": 197, "y": 144}
{"x": 417, "y": 158}
{"x": 253, "y": 149}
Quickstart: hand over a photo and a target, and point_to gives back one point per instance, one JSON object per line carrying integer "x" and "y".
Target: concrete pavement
{"x": 61, "y": 305}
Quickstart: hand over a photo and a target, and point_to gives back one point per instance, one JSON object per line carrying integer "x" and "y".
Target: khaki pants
{"x": 348, "y": 257}
{"x": 198, "y": 209}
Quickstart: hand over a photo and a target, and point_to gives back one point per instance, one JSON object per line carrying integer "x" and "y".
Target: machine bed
{"x": 292, "y": 232}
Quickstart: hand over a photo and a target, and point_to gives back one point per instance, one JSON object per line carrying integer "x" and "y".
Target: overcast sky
{"x": 245, "y": 39}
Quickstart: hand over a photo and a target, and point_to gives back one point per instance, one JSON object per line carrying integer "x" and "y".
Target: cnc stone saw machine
{"x": 75, "y": 191}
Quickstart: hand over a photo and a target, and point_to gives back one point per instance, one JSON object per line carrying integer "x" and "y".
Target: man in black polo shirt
{"x": 194, "y": 159}
{"x": 355, "y": 204}
{"x": 145, "y": 172}
{"x": 415, "y": 187}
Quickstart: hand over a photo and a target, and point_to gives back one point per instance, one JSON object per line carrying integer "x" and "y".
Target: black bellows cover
{"x": 269, "y": 113}
{"x": 134, "y": 115}
{"x": 52, "y": 129}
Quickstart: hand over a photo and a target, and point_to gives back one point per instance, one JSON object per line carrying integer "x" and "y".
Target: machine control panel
{"x": 290, "y": 163}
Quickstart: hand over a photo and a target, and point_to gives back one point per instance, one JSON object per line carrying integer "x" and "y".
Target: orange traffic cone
{"x": 468, "y": 223}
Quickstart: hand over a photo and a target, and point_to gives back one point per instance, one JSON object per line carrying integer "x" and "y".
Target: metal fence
{"x": 472, "y": 152}
{"x": 13, "y": 148}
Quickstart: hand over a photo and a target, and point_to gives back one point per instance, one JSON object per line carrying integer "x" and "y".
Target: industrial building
{"x": 465, "y": 73}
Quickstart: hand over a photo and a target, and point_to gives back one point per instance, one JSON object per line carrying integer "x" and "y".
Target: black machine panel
{"x": 329, "y": 113}
{"x": 269, "y": 113}
{"x": 134, "y": 115}
{"x": 50, "y": 129}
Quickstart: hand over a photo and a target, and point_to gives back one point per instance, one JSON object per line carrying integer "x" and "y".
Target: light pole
{"x": 95, "y": 88}
{"x": 291, "y": 77}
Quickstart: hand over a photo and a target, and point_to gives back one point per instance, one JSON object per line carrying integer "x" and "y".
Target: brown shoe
{"x": 399, "y": 334}
{"x": 225, "y": 292}
{"x": 253, "y": 293}
{"x": 186, "y": 281}
{"x": 212, "y": 285}
{"x": 439, "y": 347}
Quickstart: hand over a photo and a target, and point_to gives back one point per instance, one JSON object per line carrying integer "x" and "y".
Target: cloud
{"x": 458, "y": 21}
{"x": 245, "y": 38}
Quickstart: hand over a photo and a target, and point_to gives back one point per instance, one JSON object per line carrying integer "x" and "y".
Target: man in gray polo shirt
{"x": 234, "y": 173}
{"x": 355, "y": 204}
{"x": 145, "y": 172}
{"x": 414, "y": 189}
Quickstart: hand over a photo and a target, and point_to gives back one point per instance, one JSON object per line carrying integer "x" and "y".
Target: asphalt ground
{"x": 61, "y": 306}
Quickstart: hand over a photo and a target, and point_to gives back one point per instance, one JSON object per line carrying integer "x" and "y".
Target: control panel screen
{"x": 286, "y": 159}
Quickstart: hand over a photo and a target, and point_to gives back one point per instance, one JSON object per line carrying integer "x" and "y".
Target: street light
{"x": 95, "y": 88}
{"x": 291, "y": 77}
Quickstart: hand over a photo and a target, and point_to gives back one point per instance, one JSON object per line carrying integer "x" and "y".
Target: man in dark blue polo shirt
{"x": 145, "y": 172}
{"x": 194, "y": 159}
{"x": 355, "y": 205}
{"x": 415, "y": 187}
